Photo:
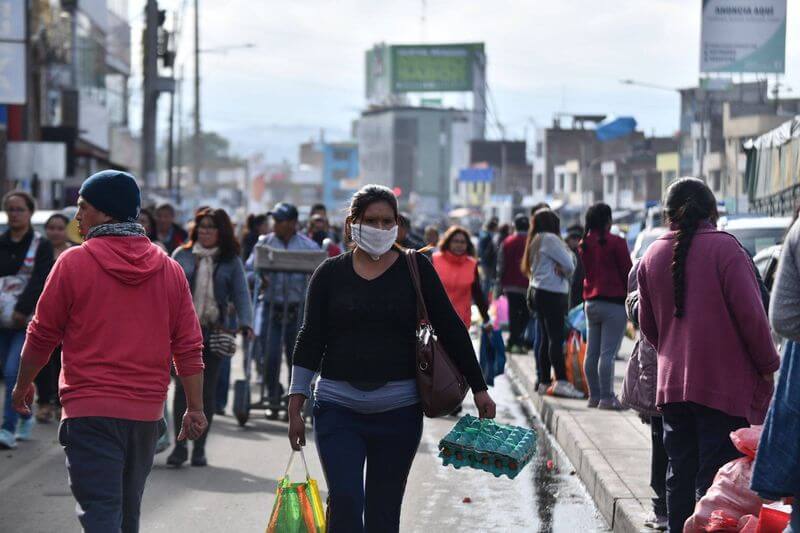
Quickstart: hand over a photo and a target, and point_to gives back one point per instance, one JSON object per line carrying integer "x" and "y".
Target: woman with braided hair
{"x": 700, "y": 307}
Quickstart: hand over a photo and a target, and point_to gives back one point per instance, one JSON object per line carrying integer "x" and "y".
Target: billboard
{"x": 440, "y": 67}
{"x": 396, "y": 69}
{"x": 743, "y": 36}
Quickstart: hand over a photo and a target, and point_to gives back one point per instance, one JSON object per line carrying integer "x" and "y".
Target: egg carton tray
{"x": 486, "y": 445}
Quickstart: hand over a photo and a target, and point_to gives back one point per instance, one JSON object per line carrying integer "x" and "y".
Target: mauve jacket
{"x": 641, "y": 377}
{"x": 716, "y": 354}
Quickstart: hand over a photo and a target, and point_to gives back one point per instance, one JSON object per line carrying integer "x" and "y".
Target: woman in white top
{"x": 550, "y": 264}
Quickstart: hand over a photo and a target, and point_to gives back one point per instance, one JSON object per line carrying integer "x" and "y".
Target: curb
{"x": 622, "y": 510}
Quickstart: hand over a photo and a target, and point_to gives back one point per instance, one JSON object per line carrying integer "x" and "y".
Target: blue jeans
{"x": 108, "y": 460}
{"x": 387, "y": 443}
{"x": 11, "y": 341}
{"x": 279, "y": 341}
{"x": 794, "y": 526}
{"x": 606, "y": 327}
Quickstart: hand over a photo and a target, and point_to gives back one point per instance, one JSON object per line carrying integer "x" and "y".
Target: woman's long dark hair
{"x": 452, "y": 231}
{"x": 365, "y": 197}
{"x": 544, "y": 221}
{"x": 598, "y": 218}
{"x": 689, "y": 203}
{"x": 228, "y": 245}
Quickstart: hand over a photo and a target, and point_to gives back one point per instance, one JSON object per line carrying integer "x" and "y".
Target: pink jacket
{"x": 123, "y": 311}
{"x": 716, "y": 353}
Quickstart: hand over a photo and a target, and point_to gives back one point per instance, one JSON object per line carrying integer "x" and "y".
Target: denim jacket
{"x": 230, "y": 286}
{"x": 776, "y": 472}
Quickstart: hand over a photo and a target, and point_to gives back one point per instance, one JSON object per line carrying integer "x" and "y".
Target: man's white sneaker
{"x": 7, "y": 440}
{"x": 565, "y": 389}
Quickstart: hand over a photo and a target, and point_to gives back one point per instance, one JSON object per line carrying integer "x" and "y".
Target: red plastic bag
{"x": 730, "y": 496}
{"x": 774, "y": 518}
{"x": 719, "y": 521}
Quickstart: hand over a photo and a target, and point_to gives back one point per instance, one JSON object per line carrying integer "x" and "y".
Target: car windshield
{"x": 756, "y": 239}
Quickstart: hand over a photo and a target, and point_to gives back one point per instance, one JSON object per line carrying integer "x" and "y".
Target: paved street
{"x": 236, "y": 492}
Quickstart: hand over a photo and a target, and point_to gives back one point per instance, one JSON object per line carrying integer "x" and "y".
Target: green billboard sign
{"x": 439, "y": 68}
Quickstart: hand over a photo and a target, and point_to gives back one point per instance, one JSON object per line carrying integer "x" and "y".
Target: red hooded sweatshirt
{"x": 122, "y": 310}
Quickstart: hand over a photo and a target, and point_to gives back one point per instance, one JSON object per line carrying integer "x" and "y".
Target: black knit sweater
{"x": 364, "y": 331}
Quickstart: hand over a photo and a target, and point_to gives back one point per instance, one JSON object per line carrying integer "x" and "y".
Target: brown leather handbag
{"x": 441, "y": 385}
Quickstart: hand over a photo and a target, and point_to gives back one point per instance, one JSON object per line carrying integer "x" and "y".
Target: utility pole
{"x": 196, "y": 144}
{"x": 153, "y": 49}
{"x": 180, "y": 136}
{"x": 150, "y": 109}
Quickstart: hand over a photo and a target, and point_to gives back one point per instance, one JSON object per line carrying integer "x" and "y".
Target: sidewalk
{"x": 609, "y": 450}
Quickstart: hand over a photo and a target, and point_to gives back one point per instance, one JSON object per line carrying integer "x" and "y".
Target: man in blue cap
{"x": 285, "y": 292}
{"x": 99, "y": 299}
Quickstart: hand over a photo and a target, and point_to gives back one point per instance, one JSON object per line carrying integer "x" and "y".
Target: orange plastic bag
{"x": 575, "y": 355}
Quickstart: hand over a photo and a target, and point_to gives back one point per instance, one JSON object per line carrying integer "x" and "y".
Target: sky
{"x": 306, "y": 71}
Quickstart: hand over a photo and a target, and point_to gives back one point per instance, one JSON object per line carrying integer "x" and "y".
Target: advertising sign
{"x": 445, "y": 67}
{"x": 743, "y": 36}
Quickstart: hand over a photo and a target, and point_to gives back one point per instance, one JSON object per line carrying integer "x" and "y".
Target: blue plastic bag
{"x": 492, "y": 356}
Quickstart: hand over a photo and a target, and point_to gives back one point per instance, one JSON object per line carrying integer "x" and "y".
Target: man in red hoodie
{"x": 122, "y": 311}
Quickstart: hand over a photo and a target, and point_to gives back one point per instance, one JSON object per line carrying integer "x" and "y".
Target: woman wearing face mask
{"x": 47, "y": 380}
{"x": 359, "y": 333}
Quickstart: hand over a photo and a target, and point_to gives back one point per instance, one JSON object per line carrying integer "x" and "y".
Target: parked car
{"x": 766, "y": 262}
{"x": 756, "y": 233}
{"x": 645, "y": 239}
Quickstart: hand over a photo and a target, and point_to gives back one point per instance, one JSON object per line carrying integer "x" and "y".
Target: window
{"x": 539, "y": 184}
{"x": 341, "y": 155}
{"x": 539, "y": 148}
{"x": 574, "y": 187}
{"x": 609, "y": 184}
{"x": 341, "y": 174}
{"x": 715, "y": 180}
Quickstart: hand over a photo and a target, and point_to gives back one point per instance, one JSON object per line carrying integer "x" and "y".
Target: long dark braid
{"x": 598, "y": 217}
{"x": 689, "y": 203}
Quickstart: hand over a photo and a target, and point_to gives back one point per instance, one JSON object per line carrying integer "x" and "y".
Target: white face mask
{"x": 374, "y": 241}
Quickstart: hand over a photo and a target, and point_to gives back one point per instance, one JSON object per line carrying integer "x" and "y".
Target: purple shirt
{"x": 716, "y": 353}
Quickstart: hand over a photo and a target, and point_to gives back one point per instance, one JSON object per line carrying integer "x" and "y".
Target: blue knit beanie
{"x": 113, "y": 192}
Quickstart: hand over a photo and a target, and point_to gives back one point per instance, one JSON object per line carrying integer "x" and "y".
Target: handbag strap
{"x": 291, "y": 459}
{"x": 413, "y": 267}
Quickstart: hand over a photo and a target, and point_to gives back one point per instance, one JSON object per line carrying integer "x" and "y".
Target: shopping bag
{"x": 492, "y": 356}
{"x": 574, "y": 357}
{"x": 499, "y": 311}
{"x": 486, "y": 358}
{"x": 298, "y": 507}
{"x": 576, "y": 319}
{"x": 499, "y": 352}
{"x": 484, "y": 444}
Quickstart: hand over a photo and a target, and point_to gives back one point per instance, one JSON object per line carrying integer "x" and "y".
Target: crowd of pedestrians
{"x": 352, "y": 327}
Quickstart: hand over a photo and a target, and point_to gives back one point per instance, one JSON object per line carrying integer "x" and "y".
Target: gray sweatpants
{"x": 607, "y": 322}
